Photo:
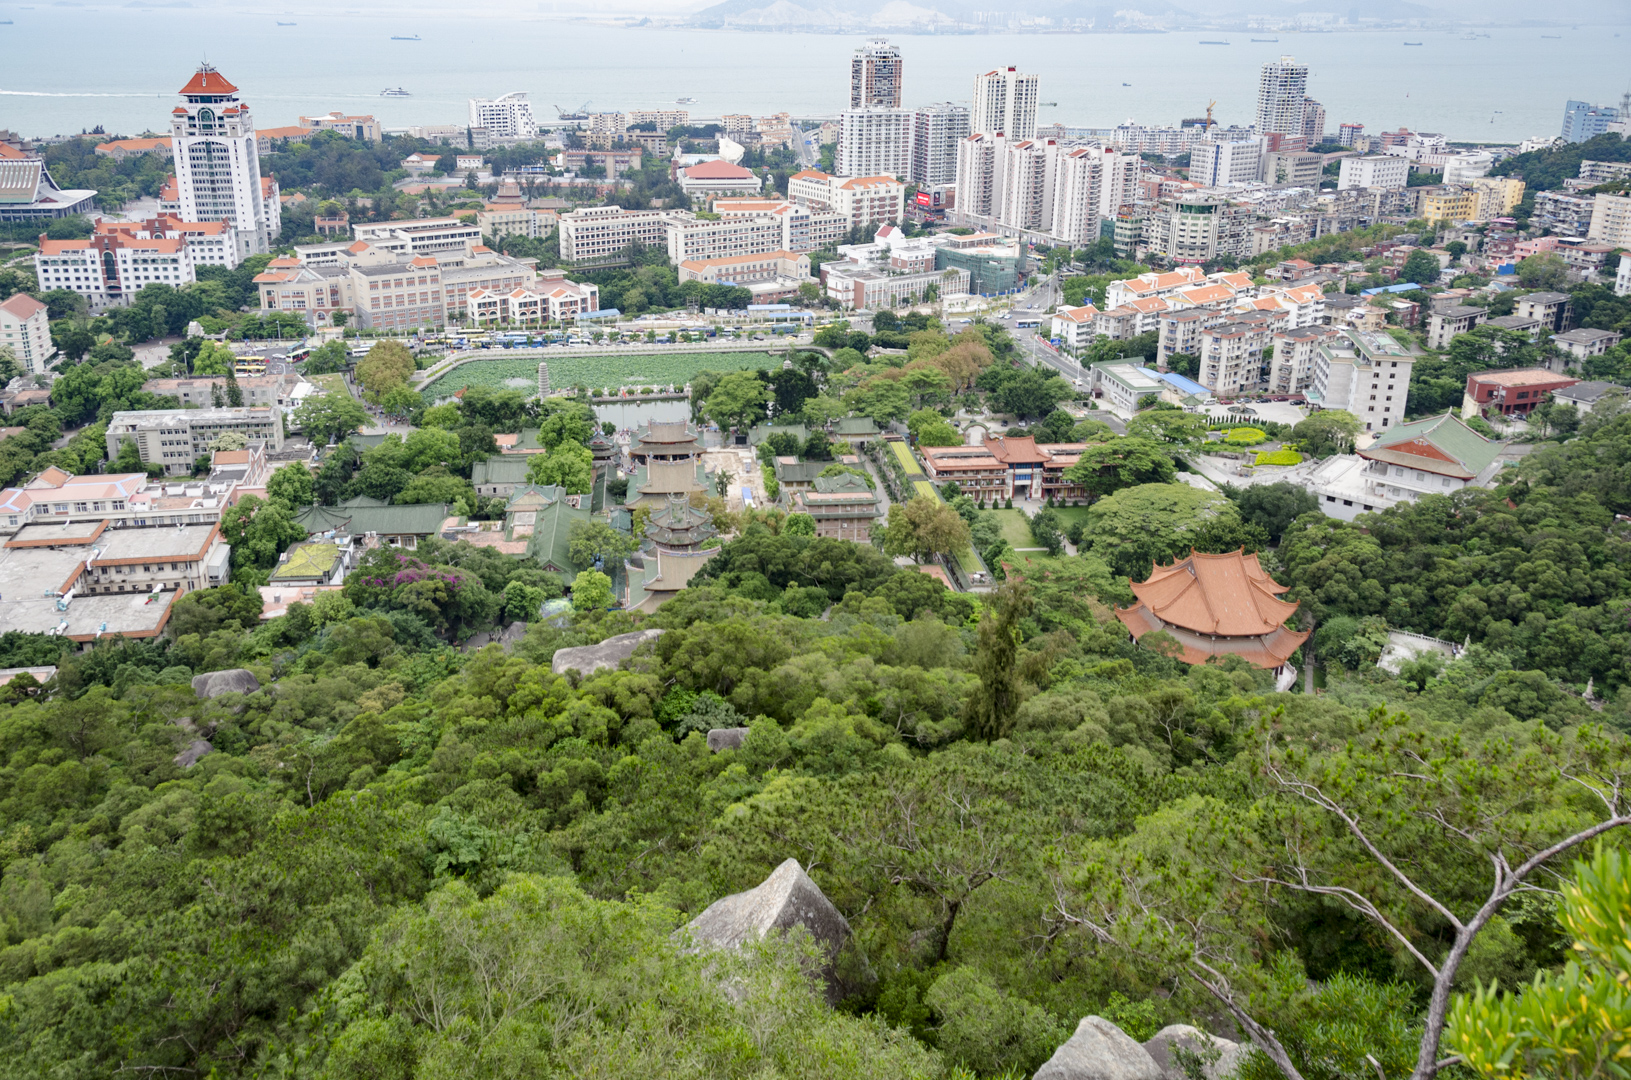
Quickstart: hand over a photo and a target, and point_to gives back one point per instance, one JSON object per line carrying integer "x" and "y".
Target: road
{"x": 807, "y": 156}
{"x": 1033, "y": 345}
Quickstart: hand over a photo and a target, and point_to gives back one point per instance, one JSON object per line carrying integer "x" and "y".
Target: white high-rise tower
{"x": 1281, "y": 88}
{"x": 218, "y": 173}
{"x": 1004, "y": 104}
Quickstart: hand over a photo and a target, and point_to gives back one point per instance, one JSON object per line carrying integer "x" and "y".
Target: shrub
{"x": 1278, "y": 457}
{"x": 1245, "y": 436}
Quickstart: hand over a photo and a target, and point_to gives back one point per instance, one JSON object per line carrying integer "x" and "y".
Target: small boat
{"x": 286, "y": 24}
{"x": 1126, "y": 84}
{"x": 1551, "y": 37}
{"x": 1214, "y": 43}
{"x": 395, "y": 91}
{"x": 1047, "y": 104}
{"x": 1267, "y": 40}
{"x": 685, "y": 101}
{"x": 413, "y": 38}
{"x": 1412, "y": 43}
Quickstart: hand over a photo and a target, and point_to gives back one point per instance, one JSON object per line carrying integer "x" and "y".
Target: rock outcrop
{"x": 1219, "y": 1058}
{"x": 232, "y": 681}
{"x": 608, "y": 654}
{"x": 784, "y": 900}
{"x": 727, "y": 738}
{"x": 1099, "y": 1050}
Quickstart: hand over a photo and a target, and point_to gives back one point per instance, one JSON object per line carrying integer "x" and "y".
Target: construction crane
{"x": 1210, "y": 105}
{"x": 581, "y": 113}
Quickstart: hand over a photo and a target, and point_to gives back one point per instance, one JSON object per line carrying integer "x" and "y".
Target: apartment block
{"x": 1611, "y": 220}
{"x": 1364, "y": 372}
{"x": 875, "y": 142}
{"x": 1291, "y": 371}
{"x": 861, "y": 199}
{"x": 25, "y": 332}
{"x": 876, "y": 75}
{"x": 551, "y": 299}
{"x": 1232, "y": 356}
{"x": 746, "y": 269}
{"x": 175, "y": 438}
{"x": 690, "y": 237}
{"x": 362, "y": 128}
{"x": 936, "y": 132}
{"x": 515, "y": 219}
{"x": 1443, "y": 326}
{"x": 507, "y": 117}
{"x": 1183, "y": 332}
{"x": 1005, "y": 103}
{"x": 399, "y": 296}
{"x": 1218, "y": 163}
{"x": 604, "y": 232}
{"x": 1604, "y": 172}
{"x": 1282, "y": 87}
{"x": 1197, "y": 229}
{"x": 110, "y": 267}
{"x": 425, "y": 236}
{"x": 1283, "y": 168}
{"x": 1563, "y": 214}
{"x": 1387, "y": 171}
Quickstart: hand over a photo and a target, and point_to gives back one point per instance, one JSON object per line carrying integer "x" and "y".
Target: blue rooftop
{"x": 1188, "y": 386}
{"x": 1406, "y": 287}
{"x": 770, "y": 307}
{"x": 603, "y": 313}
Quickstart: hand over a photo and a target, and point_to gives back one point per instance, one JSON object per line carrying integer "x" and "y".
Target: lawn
{"x": 332, "y": 383}
{"x": 596, "y": 371}
{"x": 903, "y": 454}
{"x": 1016, "y": 528}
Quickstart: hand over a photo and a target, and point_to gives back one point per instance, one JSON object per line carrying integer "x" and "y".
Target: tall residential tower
{"x": 218, "y": 174}
{"x": 1004, "y": 104}
{"x": 875, "y": 74}
{"x": 1281, "y": 89}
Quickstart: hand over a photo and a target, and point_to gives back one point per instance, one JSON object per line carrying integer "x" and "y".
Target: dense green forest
{"x": 402, "y": 858}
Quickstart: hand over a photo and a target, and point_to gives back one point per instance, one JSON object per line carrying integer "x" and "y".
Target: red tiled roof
{"x": 716, "y": 170}
{"x": 206, "y": 80}
{"x": 1229, "y": 595}
{"x": 22, "y": 306}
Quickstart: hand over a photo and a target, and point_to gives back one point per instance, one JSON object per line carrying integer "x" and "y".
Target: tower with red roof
{"x": 218, "y": 175}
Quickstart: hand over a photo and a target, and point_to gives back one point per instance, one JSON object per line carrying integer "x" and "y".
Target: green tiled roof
{"x": 1447, "y": 434}
{"x": 501, "y": 469}
{"x": 761, "y": 432}
{"x": 798, "y": 472}
{"x": 548, "y": 546}
{"x": 363, "y": 515}
{"x": 856, "y": 425}
{"x": 307, "y": 562}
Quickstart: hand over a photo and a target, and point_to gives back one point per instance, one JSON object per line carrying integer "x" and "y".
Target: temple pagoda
{"x": 1214, "y": 606}
{"x": 679, "y": 540}
{"x": 672, "y": 440}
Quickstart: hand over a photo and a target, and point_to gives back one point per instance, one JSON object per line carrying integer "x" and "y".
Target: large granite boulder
{"x": 1099, "y": 1051}
{"x": 727, "y": 738}
{"x": 785, "y": 899}
{"x": 1219, "y": 1058}
{"x": 608, "y": 654}
{"x": 232, "y": 681}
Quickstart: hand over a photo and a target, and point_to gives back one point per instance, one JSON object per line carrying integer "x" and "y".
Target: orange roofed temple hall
{"x": 1215, "y": 606}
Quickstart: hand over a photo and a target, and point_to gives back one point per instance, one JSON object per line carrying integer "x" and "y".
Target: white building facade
{"x": 1005, "y": 103}
{"x": 1282, "y": 86}
{"x": 508, "y": 116}
{"x": 874, "y": 142}
{"x": 217, "y": 161}
{"x": 1387, "y": 171}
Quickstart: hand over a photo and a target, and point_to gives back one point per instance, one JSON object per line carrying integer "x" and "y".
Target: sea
{"x": 68, "y": 68}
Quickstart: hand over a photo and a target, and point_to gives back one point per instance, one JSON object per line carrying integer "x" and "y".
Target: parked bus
{"x": 1027, "y": 324}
